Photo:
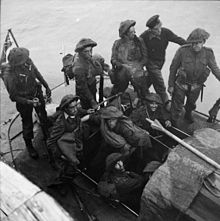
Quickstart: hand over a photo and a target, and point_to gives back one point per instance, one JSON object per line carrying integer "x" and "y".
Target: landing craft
{"x": 185, "y": 187}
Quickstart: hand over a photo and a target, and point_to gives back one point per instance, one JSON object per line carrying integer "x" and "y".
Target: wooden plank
{"x": 40, "y": 208}
{"x": 21, "y": 200}
{"x": 15, "y": 189}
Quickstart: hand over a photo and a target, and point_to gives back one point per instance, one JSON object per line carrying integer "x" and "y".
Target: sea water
{"x": 51, "y": 29}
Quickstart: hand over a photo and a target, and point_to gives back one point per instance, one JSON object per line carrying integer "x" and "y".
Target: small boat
{"x": 81, "y": 199}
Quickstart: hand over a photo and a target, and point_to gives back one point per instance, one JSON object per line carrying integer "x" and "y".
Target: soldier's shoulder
{"x": 145, "y": 33}
{"x": 184, "y": 48}
{"x": 208, "y": 50}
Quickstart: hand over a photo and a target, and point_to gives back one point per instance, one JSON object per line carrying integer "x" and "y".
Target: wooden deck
{"x": 21, "y": 200}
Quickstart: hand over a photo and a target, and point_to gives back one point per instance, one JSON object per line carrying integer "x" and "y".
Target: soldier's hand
{"x": 90, "y": 111}
{"x": 168, "y": 123}
{"x": 171, "y": 90}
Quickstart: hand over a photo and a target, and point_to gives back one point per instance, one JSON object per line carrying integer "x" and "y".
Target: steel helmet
{"x": 18, "y": 56}
{"x": 83, "y": 43}
{"x": 198, "y": 35}
{"x": 67, "y": 99}
{"x": 111, "y": 112}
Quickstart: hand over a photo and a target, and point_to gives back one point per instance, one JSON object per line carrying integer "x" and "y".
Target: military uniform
{"x": 83, "y": 70}
{"x": 125, "y": 186}
{"x": 129, "y": 56}
{"x": 156, "y": 47}
{"x": 188, "y": 72}
{"x": 21, "y": 82}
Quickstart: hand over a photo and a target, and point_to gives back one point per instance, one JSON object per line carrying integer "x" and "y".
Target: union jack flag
{"x": 9, "y": 43}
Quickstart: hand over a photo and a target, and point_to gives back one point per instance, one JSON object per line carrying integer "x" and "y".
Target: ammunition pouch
{"x": 181, "y": 76}
{"x": 202, "y": 79}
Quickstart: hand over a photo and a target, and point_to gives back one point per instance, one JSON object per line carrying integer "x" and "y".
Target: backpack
{"x": 68, "y": 62}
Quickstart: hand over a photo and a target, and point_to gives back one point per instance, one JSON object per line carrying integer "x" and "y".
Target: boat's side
{"x": 22, "y": 200}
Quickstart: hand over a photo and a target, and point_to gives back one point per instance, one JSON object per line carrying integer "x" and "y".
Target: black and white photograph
{"x": 109, "y": 110}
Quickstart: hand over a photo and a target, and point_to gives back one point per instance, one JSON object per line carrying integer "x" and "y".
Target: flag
{"x": 9, "y": 43}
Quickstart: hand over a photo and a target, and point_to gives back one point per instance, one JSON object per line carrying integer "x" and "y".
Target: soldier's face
{"x": 197, "y": 46}
{"x": 87, "y": 53}
{"x": 157, "y": 28}
{"x": 112, "y": 123}
{"x": 153, "y": 106}
{"x": 72, "y": 108}
{"x": 131, "y": 32}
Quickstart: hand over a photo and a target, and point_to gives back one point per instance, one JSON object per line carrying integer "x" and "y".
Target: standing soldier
{"x": 82, "y": 67}
{"x": 129, "y": 56}
{"x": 20, "y": 78}
{"x": 189, "y": 71}
{"x": 156, "y": 40}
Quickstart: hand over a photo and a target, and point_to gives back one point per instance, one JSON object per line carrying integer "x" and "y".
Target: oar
{"x": 157, "y": 126}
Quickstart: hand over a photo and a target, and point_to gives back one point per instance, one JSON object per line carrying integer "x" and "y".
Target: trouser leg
{"x": 177, "y": 103}
{"x": 122, "y": 78}
{"x": 42, "y": 114}
{"x": 159, "y": 86}
{"x": 192, "y": 97}
{"x": 140, "y": 86}
{"x": 25, "y": 111}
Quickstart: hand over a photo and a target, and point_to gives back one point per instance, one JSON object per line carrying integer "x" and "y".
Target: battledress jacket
{"x": 85, "y": 78}
{"x": 193, "y": 64}
{"x": 156, "y": 45}
{"x": 22, "y": 85}
{"x": 130, "y": 52}
{"x": 60, "y": 127}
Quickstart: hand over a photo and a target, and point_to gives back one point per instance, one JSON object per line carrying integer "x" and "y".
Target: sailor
{"x": 189, "y": 70}
{"x": 66, "y": 135}
{"x": 129, "y": 56}
{"x": 152, "y": 109}
{"x": 156, "y": 39}
{"x": 119, "y": 184}
{"x": 23, "y": 82}
{"x": 83, "y": 64}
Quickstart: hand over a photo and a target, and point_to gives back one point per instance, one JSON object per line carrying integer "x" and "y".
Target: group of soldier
{"x": 135, "y": 60}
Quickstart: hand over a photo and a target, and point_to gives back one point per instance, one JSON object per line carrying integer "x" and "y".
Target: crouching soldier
{"x": 189, "y": 70}
{"x": 122, "y": 136}
{"x": 120, "y": 184}
{"x": 23, "y": 82}
{"x": 152, "y": 108}
{"x": 65, "y": 136}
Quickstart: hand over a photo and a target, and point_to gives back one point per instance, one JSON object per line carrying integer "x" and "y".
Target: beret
{"x": 152, "y": 21}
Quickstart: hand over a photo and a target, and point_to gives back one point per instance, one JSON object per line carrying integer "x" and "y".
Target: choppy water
{"x": 51, "y": 27}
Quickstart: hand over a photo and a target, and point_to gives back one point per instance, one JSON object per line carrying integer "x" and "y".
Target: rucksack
{"x": 68, "y": 62}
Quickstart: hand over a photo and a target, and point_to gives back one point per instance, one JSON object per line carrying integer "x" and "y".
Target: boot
{"x": 32, "y": 152}
{"x": 188, "y": 117}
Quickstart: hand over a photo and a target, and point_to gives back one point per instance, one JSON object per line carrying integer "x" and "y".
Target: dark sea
{"x": 51, "y": 28}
